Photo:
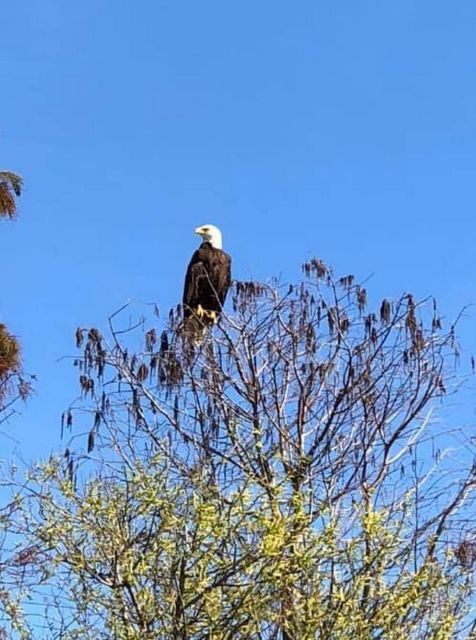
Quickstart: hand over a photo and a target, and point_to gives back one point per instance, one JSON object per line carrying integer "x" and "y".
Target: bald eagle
{"x": 207, "y": 281}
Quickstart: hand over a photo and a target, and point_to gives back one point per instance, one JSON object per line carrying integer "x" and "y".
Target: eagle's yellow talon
{"x": 205, "y": 314}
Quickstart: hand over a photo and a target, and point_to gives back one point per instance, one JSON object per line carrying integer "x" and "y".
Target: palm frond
{"x": 10, "y": 188}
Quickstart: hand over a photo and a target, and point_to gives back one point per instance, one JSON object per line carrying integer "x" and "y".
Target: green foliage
{"x": 151, "y": 558}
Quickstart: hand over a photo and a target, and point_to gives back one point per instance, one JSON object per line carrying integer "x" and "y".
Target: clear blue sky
{"x": 343, "y": 129}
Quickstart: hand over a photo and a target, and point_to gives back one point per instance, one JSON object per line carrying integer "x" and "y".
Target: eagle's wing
{"x": 191, "y": 290}
{"x": 223, "y": 276}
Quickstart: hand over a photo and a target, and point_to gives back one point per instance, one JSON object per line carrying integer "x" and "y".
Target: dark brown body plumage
{"x": 207, "y": 280}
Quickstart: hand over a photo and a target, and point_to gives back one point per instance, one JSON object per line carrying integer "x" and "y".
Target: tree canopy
{"x": 285, "y": 479}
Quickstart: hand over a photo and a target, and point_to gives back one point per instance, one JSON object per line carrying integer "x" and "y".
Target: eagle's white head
{"x": 210, "y": 233}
